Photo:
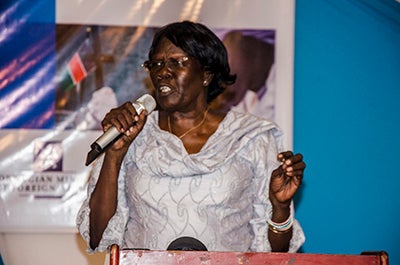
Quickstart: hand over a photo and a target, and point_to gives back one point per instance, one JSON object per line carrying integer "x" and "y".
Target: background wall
{"x": 347, "y": 124}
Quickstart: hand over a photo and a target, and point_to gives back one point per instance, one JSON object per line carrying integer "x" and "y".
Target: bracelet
{"x": 276, "y": 231}
{"x": 279, "y": 228}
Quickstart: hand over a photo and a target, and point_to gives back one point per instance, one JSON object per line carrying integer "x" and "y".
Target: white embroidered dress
{"x": 218, "y": 195}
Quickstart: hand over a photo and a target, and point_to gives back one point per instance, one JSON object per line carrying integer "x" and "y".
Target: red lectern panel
{"x": 141, "y": 257}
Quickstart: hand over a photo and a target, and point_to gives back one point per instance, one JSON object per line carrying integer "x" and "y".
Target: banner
{"x": 64, "y": 69}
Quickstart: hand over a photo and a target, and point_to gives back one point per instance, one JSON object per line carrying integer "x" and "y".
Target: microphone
{"x": 145, "y": 102}
{"x": 187, "y": 243}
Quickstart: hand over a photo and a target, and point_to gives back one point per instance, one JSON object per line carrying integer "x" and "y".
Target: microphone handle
{"x": 108, "y": 138}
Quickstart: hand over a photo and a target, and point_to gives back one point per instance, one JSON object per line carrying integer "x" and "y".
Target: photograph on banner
{"x": 100, "y": 67}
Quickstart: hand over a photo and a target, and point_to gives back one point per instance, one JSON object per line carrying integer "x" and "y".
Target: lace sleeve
{"x": 114, "y": 232}
{"x": 261, "y": 203}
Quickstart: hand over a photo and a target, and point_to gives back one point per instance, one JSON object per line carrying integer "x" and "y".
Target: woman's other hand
{"x": 286, "y": 179}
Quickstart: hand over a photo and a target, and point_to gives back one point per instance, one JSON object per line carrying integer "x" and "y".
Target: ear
{"x": 207, "y": 78}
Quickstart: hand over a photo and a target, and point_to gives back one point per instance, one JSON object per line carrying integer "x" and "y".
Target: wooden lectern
{"x": 146, "y": 257}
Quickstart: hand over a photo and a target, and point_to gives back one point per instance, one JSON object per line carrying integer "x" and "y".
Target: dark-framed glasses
{"x": 171, "y": 63}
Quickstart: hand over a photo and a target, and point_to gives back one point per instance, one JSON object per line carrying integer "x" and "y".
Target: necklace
{"x": 191, "y": 129}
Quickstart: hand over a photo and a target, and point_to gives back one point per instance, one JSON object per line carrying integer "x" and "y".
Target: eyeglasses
{"x": 172, "y": 64}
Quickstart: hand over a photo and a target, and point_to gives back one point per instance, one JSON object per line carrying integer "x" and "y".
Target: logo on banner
{"x": 48, "y": 156}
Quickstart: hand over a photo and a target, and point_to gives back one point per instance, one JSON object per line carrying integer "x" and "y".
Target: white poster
{"x": 59, "y": 82}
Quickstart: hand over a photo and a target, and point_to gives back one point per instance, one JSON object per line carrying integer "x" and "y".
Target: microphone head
{"x": 148, "y": 102}
{"x": 187, "y": 243}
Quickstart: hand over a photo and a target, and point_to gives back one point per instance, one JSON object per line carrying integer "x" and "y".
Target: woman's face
{"x": 177, "y": 78}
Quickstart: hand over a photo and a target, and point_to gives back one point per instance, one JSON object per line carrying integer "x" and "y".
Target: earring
{"x": 204, "y": 83}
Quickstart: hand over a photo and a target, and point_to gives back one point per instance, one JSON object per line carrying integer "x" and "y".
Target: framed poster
{"x": 88, "y": 61}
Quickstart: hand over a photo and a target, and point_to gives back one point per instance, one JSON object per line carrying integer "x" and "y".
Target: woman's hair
{"x": 199, "y": 42}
